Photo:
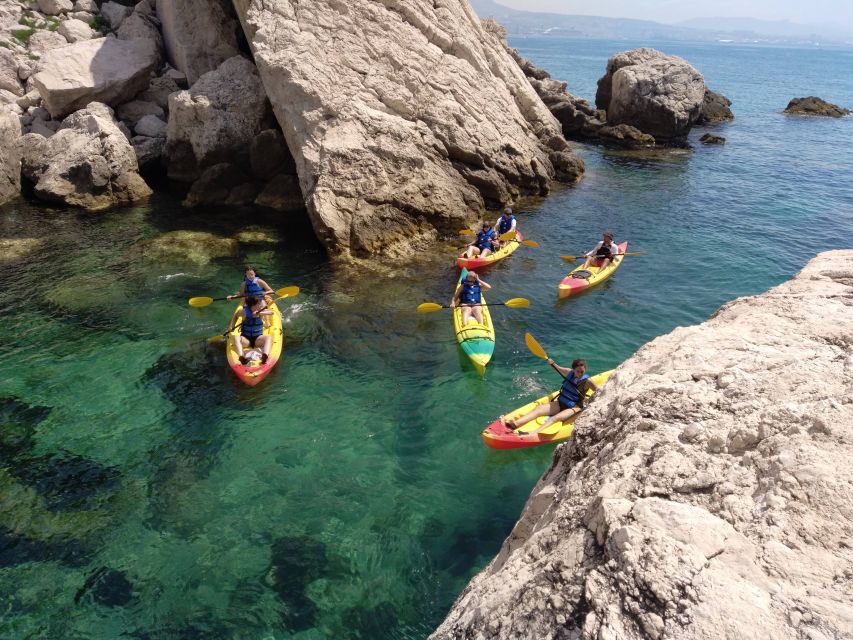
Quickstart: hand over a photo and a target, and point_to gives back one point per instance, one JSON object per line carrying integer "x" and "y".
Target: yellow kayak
{"x": 581, "y": 279}
{"x": 253, "y": 372}
{"x": 477, "y": 340}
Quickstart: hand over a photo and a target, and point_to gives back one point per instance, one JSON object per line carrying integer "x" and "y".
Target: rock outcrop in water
{"x": 10, "y": 157}
{"x": 403, "y": 117}
{"x": 705, "y": 494}
{"x": 813, "y": 106}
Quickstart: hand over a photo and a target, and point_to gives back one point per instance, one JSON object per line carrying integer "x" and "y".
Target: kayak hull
{"x": 254, "y": 372}
{"x": 476, "y": 340}
{"x": 498, "y": 436}
{"x": 570, "y": 285}
{"x": 478, "y": 263}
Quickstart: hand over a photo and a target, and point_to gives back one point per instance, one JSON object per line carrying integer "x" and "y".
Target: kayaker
{"x": 566, "y": 404}
{"x": 468, "y": 296}
{"x": 483, "y": 244}
{"x": 252, "y": 285}
{"x": 603, "y": 253}
{"x": 504, "y": 224}
{"x": 252, "y": 329}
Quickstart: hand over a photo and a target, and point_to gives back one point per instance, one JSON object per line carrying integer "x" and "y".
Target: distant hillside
{"x": 521, "y": 23}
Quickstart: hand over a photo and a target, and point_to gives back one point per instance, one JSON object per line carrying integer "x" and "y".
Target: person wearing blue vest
{"x": 569, "y": 401}
{"x": 252, "y": 285}
{"x": 505, "y": 224}
{"x": 469, "y": 298}
{"x": 252, "y": 329}
{"x": 483, "y": 244}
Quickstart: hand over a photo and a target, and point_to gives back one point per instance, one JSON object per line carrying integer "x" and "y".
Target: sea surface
{"x": 146, "y": 493}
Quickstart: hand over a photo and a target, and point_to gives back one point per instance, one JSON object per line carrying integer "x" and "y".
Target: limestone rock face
{"x": 10, "y": 156}
{"x": 404, "y": 116}
{"x": 199, "y": 35}
{"x": 658, "y": 94}
{"x": 9, "y": 80}
{"x": 705, "y": 494}
{"x": 54, "y": 7}
{"x": 216, "y": 120}
{"x": 114, "y": 13}
{"x": 104, "y": 70}
{"x": 88, "y": 163}
{"x": 75, "y": 30}
{"x": 813, "y": 106}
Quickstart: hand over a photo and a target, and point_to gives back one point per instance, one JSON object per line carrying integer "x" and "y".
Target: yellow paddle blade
{"x": 534, "y": 346}
{"x": 216, "y": 339}
{"x": 509, "y": 235}
{"x": 517, "y": 303}
{"x": 200, "y": 301}
{"x": 569, "y": 258}
{"x": 286, "y": 292}
{"x": 530, "y": 243}
{"x": 429, "y": 307}
{"x": 467, "y": 232}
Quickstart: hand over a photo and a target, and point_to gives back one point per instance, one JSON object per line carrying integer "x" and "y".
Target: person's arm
{"x": 233, "y": 324}
{"x": 267, "y": 288}
{"x": 563, "y": 370}
{"x": 483, "y": 284}
{"x": 594, "y": 250}
{"x": 455, "y": 298}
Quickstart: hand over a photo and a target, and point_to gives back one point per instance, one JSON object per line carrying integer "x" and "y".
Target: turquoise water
{"x": 146, "y": 493}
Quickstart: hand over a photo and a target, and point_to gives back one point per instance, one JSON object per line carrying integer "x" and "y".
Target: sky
{"x": 834, "y": 12}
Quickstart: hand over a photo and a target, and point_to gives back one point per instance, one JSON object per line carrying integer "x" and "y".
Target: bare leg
{"x": 542, "y": 410}
{"x": 485, "y": 252}
{"x": 239, "y": 343}
{"x": 587, "y": 263}
{"x": 562, "y": 416}
{"x": 477, "y": 312}
{"x": 466, "y": 314}
{"x": 604, "y": 264}
{"x": 472, "y": 252}
{"x": 265, "y": 343}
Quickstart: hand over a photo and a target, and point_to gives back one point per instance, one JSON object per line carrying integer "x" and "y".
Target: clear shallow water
{"x": 145, "y": 493}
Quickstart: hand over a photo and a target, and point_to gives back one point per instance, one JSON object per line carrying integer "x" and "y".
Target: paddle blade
{"x": 200, "y": 301}
{"x": 509, "y": 235}
{"x": 467, "y": 232}
{"x": 429, "y": 307}
{"x": 218, "y": 339}
{"x": 569, "y": 258}
{"x": 534, "y": 346}
{"x": 634, "y": 253}
{"x": 287, "y": 292}
{"x": 517, "y": 303}
{"x": 530, "y": 243}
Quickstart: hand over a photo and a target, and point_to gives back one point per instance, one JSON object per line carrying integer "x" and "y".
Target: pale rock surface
{"x": 405, "y": 117}
{"x": 158, "y": 92}
{"x": 9, "y": 73}
{"x": 706, "y": 494}
{"x": 88, "y": 163}
{"x": 55, "y": 7}
{"x": 142, "y": 24}
{"x": 114, "y": 13}
{"x": 10, "y": 156}
{"x": 43, "y": 41}
{"x": 216, "y": 120}
{"x": 199, "y": 35}
{"x": 104, "y": 70}
{"x": 131, "y": 112}
{"x": 10, "y": 15}
{"x": 658, "y": 94}
{"x": 150, "y": 126}
{"x": 89, "y": 6}
{"x": 76, "y": 30}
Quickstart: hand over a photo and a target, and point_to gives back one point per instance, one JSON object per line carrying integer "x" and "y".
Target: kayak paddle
{"x": 627, "y": 253}
{"x": 284, "y": 292}
{"x": 537, "y": 350}
{"x": 203, "y": 301}
{"x": 515, "y": 303}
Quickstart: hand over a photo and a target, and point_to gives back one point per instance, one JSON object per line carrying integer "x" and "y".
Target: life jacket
{"x": 604, "y": 251}
{"x": 470, "y": 293}
{"x": 484, "y": 239}
{"x": 505, "y": 224}
{"x": 253, "y": 325}
{"x": 253, "y": 288}
{"x": 569, "y": 392}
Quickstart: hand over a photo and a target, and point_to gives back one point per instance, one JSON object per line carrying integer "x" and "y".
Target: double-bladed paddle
{"x": 203, "y": 301}
{"x": 627, "y": 253}
{"x": 515, "y": 303}
{"x": 284, "y": 292}
{"x": 509, "y": 236}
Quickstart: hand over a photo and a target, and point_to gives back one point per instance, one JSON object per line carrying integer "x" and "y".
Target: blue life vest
{"x": 569, "y": 393}
{"x": 505, "y": 224}
{"x": 484, "y": 239}
{"x": 253, "y": 326}
{"x": 253, "y": 288}
{"x": 470, "y": 293}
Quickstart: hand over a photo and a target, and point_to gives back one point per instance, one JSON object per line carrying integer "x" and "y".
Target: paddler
{"x": 251, "y": 333}
{"x": 252, "y": 285}
{"x": 504, "y": 224}
{"x": 469, "y": 297}
{"x": 483, "y": 244}
{"x": 566, "y": 404}
{"x": 603, "y": 253}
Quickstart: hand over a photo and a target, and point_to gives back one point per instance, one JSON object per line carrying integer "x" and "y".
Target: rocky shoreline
{"x": 705, "y": 494}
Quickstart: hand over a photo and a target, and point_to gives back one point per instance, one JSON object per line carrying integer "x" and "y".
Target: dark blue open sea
{"x": 146, "y": 494}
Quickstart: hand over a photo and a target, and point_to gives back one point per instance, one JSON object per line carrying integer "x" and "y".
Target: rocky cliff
{"x": 403, "y": 117}
{"x": 706, "y": 494}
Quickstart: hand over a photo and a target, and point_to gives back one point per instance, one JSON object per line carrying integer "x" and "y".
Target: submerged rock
{"x": 193, "y": 246}
{"x": 403, "y": 117}
{"x": 704, "y": 494}
{"x": 10, "y": 156}
{"x": 813, "y": 106}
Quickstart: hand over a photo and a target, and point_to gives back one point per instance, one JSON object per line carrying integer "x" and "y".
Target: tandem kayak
{"x": 500, "y": 254}
{"x": 498, "y": 436}
{"x": 580, "y": 279}
{"x": 477, "y": 340}
{"x": 253, "y": 372}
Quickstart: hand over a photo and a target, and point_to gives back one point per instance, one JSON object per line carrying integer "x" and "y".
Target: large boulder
{"x": 813, "y": 106}
{"x": 216, "y": 120}
{"x": 658, "y": 94}
{"x": 88, "y": 163}
{"x": 10, "y": 156}
{"x": 199, "y": 35}
{"x": 104, "y": 70}
{"x": 705, "y": 494}
{"x": 9, "y": 80}
{"x": 404, "y": 117}
{"x": 142, "y": 23}
{"x": 75, "y": 30}
{"x": 715, "y": 108}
